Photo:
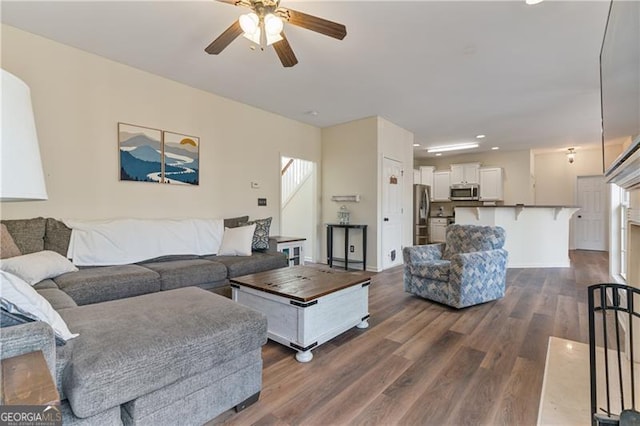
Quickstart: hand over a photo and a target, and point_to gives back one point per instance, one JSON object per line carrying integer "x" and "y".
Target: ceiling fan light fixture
{"x": 250, "y": 24}
{"x": 254, "y": 37}
{"x": 273, "y": 25}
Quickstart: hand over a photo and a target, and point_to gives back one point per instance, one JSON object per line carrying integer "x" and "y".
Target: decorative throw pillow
{"x": 22, "y": 301}
{"x": 261, "y": 235}
{"x": 35, "y": 267}
{"x": 8, "y": 247}
{"x": 237, "y": 241}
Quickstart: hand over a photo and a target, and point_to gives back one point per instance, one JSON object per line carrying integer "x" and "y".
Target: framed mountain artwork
{"x": 181, "y": 159}
{"x": 141, "y": 154}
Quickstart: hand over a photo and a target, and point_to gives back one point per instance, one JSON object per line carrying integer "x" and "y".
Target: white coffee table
{"x": 306, "y": 306}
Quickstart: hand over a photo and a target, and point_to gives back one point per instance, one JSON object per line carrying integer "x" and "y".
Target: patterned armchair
{"x": 471, "y": 268}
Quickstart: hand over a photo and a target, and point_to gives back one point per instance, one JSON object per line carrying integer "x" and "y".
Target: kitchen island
{"x": 537, "y": 236}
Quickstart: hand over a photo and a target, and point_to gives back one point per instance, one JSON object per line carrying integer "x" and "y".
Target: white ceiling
{"x": 526, "y": 76}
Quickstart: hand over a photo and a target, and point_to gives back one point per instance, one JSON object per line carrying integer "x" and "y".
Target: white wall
{"x": 556, "y": 178}
{"x": 516, "y": 170}
{"x": 349, "y": 167}
{"x": 352, "y": 156}
{"x": 298, "y": 218}
{"x": 79, "y": 98}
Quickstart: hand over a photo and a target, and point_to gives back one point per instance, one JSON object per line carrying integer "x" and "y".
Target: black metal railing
{"x": 616, "y": 300}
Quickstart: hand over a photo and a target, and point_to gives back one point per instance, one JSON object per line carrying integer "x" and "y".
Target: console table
{"x": 331, "y": 258}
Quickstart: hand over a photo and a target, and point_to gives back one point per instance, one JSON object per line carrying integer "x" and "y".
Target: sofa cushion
{"x": 184, "y": 273}
{"x": 217, "y": 384}
{"x": 99, "y": 284}
{"x": 48, "y": 283}
{"x": 28, "y": 234}
{"x": 257, "y": 262}
{"x": 128, "y": 348}
{"x": 112, "y": 417}
{"x": 8, "y": 247}
{"x": 57, "y": 298}
{"x": 57, "y": 236}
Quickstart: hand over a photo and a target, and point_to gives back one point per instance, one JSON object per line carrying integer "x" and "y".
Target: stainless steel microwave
{"x": 464, "y": 192}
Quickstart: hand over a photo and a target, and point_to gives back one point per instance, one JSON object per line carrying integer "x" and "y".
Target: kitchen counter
{"x": 527, "y": 206}
{"x": 537, "y": 236}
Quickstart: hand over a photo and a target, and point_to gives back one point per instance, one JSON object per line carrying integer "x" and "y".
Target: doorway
{"x": 591, "y": 220}
{"x": 298, "y": 208}
{"x": 392, "y": 188}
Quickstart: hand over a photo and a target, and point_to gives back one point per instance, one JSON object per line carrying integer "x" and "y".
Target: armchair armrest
{"x": 415, "y": 255}
{"x": 480, "y": 275}
{"x": 32, "y": 336}
{"x": 492, "y": 261}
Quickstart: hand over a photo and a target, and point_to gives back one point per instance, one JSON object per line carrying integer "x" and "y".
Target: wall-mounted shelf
{"x": 346, "y": 198}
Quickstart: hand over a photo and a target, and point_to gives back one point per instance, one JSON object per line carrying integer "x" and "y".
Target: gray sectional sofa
{"x": 156, "y": 344}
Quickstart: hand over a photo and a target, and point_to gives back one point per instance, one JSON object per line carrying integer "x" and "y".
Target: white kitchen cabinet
{"x": 441, "y": 185}
{"x": 465, "y": 173}
{"x": 491, "y": 186}
{"x": 416, "y": 176}
{"x": 426, "y": 177}
{"x": 437, "y": 229}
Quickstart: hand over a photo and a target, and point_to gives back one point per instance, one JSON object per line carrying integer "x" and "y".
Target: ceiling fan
{"x": 264, "y": 26}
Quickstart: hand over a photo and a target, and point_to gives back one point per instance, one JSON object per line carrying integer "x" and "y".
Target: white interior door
{"x": 392, "y": 184}
{"x": 590, "y": 220}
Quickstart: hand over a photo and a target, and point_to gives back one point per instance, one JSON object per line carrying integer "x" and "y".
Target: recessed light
{"x": 416, "y": 144}
{"x": 438, "y": 154}
{"x": 312, "y": 113}
{"x": 452, "y": 147}
{"x": 481, "y": 136}
{"x": 532, "y": 2}
{"x": 495, "y": 148}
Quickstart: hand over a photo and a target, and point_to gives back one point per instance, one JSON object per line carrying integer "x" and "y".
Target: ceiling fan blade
{"x": 285, "y": 52}
{"x": 224, "y": 39}
{"x": 244, "y": 3}
{"x": 313, "y": 23}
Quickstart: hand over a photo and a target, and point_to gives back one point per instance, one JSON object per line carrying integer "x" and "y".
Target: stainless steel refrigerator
{"x": 421, "y": 207}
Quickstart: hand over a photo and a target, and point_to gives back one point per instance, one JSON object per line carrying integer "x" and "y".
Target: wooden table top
{"x": 26, "y": 380}
{"x": 302, "y": 283}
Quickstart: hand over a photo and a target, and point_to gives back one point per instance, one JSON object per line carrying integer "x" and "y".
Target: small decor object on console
{"x": 140, "y": 153}
{"x": 181, "y": 158}
{"x": 343, "y": 215}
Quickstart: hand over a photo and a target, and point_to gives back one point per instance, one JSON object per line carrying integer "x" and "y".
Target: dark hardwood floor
{"x": 420, "y": 363}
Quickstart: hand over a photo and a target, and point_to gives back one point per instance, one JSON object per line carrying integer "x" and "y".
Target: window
{"x": 624, "y": 208}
